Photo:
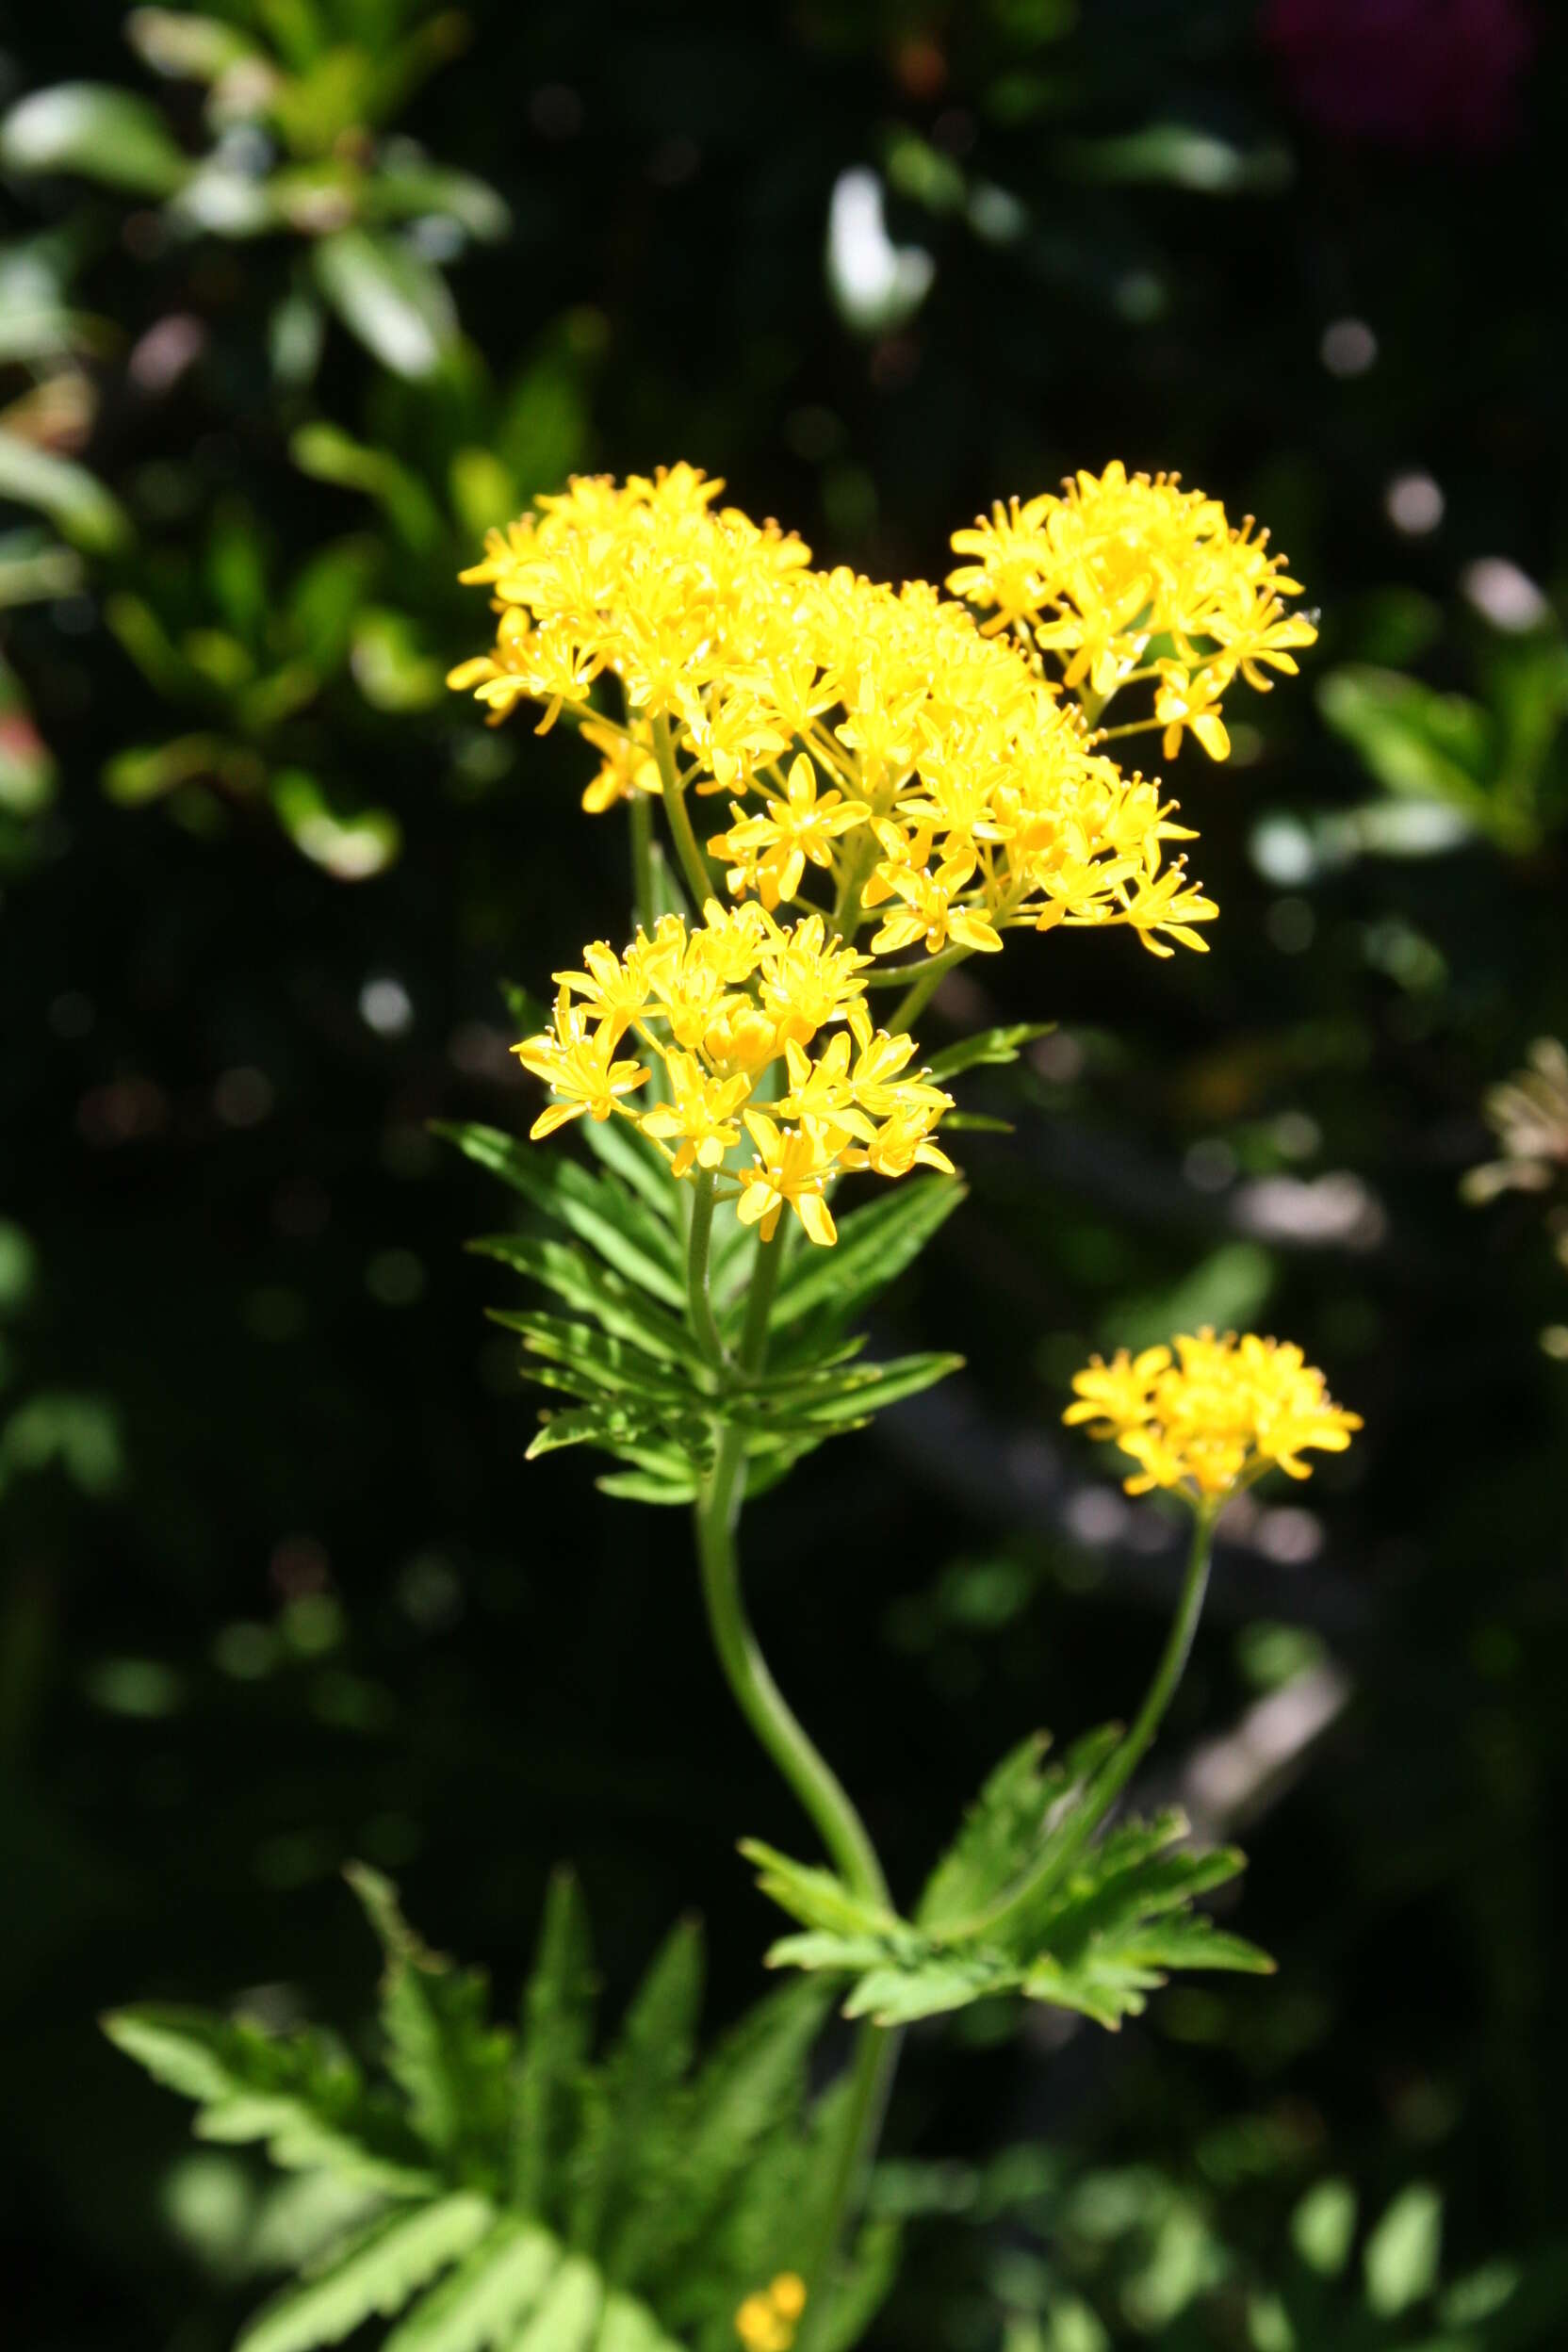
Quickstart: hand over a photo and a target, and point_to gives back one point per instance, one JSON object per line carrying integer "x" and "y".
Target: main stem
{"x": 807, "y": 1773}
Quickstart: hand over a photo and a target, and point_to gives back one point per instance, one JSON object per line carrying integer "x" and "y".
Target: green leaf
{"x": 567, "y": 2319}
{"x": 300, "y": 2095}
{"x": 638, "y": 1163}
{"x": 450, "y": 2060}
{"x": 1098, "y": 1928}
{"x": 388, "y": 296}
{"x": 74, "y": 500}
{"x": 596, "y": 1209}
{"x": 613, "y": 1365}
{"x": 816, "y": 1897}
{"x": 478, "y": 2305}
{"x": 376, "y": 2272}
{"x": 988, "y": 1047}
{"x": 875, "y": 1244}
{"x": 1323, "y": 2226}
{"x": 1403, "y": 2252}
{"x": 1414, "y": 740}
{"x": 1010, "y": 1825}
{"x": 892, "y": 1997}
{"x": 557, "y": 2030}
{"x": 623, "y": 1428}
{"x": 594, "y": 1289}
{"x": 753, "y": 2084}
{"x": 628, "y": 2123}
{"x": 850, "y": 1396}
{"x": 98, "y": 132}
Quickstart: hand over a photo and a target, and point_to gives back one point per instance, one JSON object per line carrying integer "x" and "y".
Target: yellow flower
{"x": 720, "y": 1002}
{"x": 577, "y": 1065}
{"x": 700, "y": 1113}
{"x": 1209, "y": 1419}
{"x": 1120, "y": 564}
{"x": 1190, "y": 699}
{"x": 766, "y": 2321}
{"x": 629, "y": 767}
{"x": 768, "y": 854}
{"x": 791, "y": 1167}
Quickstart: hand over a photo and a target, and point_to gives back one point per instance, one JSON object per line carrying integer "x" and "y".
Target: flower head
{"x": 713, "y": 1007}
{"x": 1126, "y": 575}
{"x": 1205, "y": 1417}
{"x": 882, "y": 747}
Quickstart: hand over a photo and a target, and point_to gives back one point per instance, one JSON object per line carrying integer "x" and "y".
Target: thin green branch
{"x": 705, "y": 1327}
{"x": 1119, "y": 1768}
{"x": 699, "y": 881}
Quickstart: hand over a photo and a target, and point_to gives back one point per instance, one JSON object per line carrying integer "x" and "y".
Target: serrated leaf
{"x": 875, "y": 1244}
{"x": 627, "y": 2118}
{"x": 594, "y": 1289}
{"x": 862, "y": 2285}
{"x": 816, "y": 1897}
{"x": 1010, "y": 1826}
{"x": 892, "y": 1997}
{"x": 442, "y": 2049}
{"x": 988, "y": 1047}
{"x": 620, "y": 1428}
{"x": 596, "y": 1209}
{"x": 375, "y": 2272}
{"x": 478, "y": 2305}
{"x": 616, "y": 1367}
{"x": 638, "y": 1164}
{"x": 556, "y": 2031}
{"x": 825, "y": 1949}
{"x": 567, "y": 2319}
{"x": 754, "y": 2082}
{"x": 304, "y": 2099}
{"x": 851, "y": 1397}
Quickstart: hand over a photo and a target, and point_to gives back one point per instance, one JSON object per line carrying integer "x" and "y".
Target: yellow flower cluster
{"x": 726, "y": 1014}
{"x": 1213, "y": 1415}
{"x": 766, "y": 2321}
{"x": 1130, "y": 577}
{"x": 876, "y": 742}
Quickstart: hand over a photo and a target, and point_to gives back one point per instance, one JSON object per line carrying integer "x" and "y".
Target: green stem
{"x": 806, "y": 1773}
{"x": 766, "y": 1268}
{"x": 641, "y": 860}
{"x": 872, "y": 2073}
{"x": 705, "y": 1325}
{"x": 919, "y": 992}
{"x": 1119, "y": 1768}
{"x": 693, "y": 864}
{"x": 758, "y": 1697}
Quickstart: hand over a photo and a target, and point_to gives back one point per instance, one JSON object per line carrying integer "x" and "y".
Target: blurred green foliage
{"x": 296, "y": 300}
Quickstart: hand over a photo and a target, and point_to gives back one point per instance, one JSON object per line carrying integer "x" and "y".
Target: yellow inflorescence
{"x": 1128, "y": 576}
{"x": 753, "y": 1024}
{"x": 1210, "y": 1417}
{"x": 766, "y": 2321}
{"x": 873, "y": 744}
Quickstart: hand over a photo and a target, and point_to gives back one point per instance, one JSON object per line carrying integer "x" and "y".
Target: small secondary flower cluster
{"x": 766, "y": 2321}
{"x": 1130, "y": 577}
{"x": 877, "y": 740}
{"x": 1210, "y": 1417}
{"x": 726, "y": 1013}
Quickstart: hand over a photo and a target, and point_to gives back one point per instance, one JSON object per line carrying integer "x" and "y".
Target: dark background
{"x": 276, "y": 1588}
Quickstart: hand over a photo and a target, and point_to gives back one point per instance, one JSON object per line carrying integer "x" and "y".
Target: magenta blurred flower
{"x": 1408, "y": 72}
